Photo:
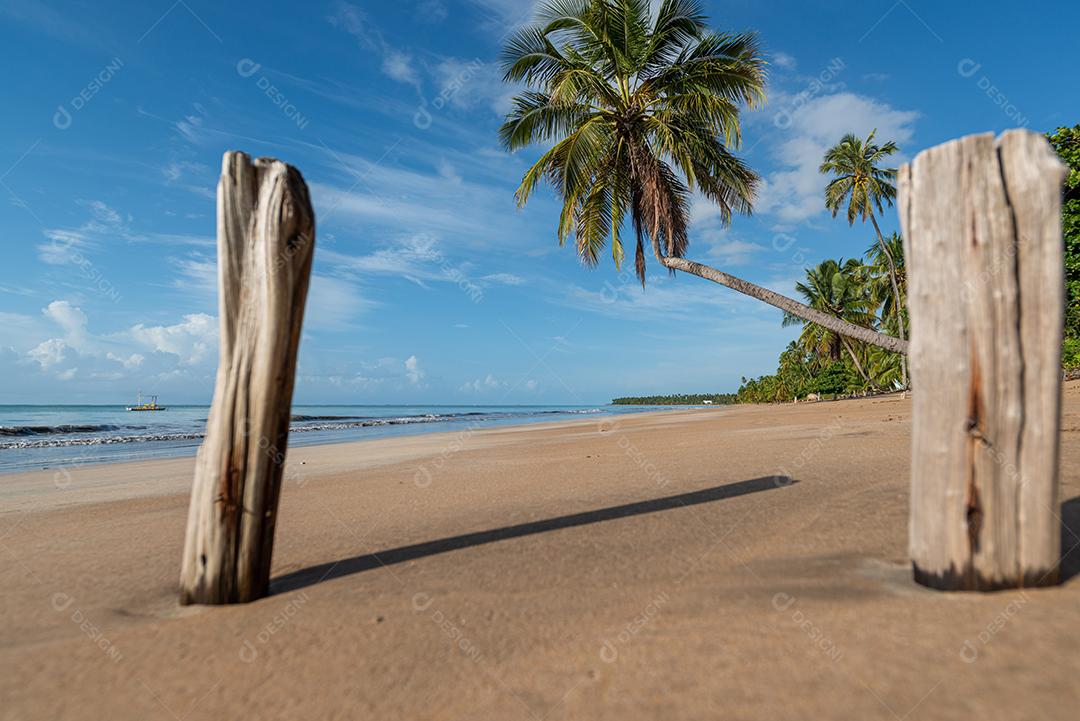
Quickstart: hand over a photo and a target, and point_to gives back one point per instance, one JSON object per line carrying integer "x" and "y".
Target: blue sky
{"x": 429, "y": 285}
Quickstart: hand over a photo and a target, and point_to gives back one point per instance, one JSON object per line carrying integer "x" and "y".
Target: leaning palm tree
{"x": 834, "y": 288}
{"x": 639, "y": 114}
{"x": 863, "y": 185}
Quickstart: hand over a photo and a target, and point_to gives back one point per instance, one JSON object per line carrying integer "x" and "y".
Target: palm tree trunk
{"x": 897, "y": 304}
{"x": 855, "y": 360}
{"x": 888, "y": 342}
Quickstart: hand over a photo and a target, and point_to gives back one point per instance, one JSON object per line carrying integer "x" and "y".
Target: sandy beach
{"x": 653, "y": 566}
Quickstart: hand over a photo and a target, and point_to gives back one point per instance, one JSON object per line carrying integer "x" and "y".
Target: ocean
{"x": 37, "y": 437}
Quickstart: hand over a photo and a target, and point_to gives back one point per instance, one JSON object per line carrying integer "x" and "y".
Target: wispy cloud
{"x": 728, "y": 251}
{"x": 397, "y": 64}
{"x": 481, "y": 385}
{"x": 784, "y": 60}
{"x": 335, "y": 303}
{"x": 504, "y": 278}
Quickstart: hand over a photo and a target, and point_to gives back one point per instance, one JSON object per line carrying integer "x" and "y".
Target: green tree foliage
{"x": 1066, "y": 142}
{"x": 1070, "y": 355}
{"x": 861, "y": 182}
{"x": 638, "y": 112}
{"x": 826, "y": 363}
{"x": 636, "y": 108}
{"x": 679, "y": 399}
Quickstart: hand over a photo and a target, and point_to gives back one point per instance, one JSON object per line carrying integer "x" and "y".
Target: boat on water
{"x": 151, "y": 405}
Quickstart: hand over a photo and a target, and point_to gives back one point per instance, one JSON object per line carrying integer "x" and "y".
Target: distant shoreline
{"x": 678, "y": 399}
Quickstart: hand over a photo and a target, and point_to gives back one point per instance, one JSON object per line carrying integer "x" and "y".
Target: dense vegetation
{"x": 826, "y": 363}
{"x": 679, "y": 399}
{"x": 1066, "y": 142}
{"x": 866, "y": 293}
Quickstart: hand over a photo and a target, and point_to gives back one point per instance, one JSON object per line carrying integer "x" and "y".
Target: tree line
{"x": 1066, "y": 142}
{"x": 676, "y": 399}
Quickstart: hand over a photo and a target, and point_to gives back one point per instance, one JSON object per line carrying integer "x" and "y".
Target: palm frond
{"x": 642, "y": 112}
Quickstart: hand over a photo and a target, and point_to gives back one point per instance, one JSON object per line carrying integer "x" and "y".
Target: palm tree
{"x": 879, "y": 280}
{"x": 884, "y": 367}
{"x": 794, "y": 369}
{"x": 864, "y": 185}
{"x": 639, "y": 114}
{"x": 834, "y": 288}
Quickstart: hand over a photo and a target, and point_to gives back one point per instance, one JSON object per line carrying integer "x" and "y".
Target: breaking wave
{"x": 106, "y": 435}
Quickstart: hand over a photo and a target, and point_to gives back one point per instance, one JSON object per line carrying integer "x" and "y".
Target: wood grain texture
{"x": 982, "y": 233}
{"x": 266, "y": 239}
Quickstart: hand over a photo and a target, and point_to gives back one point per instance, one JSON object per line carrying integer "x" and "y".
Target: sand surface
{"x": 644, "y": 567}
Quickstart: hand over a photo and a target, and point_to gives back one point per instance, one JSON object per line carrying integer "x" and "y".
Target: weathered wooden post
{"x": 982, "y": 234}
{"x": 266, "y": 238}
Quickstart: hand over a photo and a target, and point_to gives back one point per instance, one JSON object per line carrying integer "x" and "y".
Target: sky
{"x": 429, "y": 284}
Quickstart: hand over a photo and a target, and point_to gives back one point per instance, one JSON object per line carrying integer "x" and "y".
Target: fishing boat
{"x": 152, "y": 405}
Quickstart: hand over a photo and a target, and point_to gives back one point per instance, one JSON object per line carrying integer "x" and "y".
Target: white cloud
{"x": 703, "y": 211}
{"x": 64, "y": 245}
{"x": 413, "y": 371}
{"x": 795, "y": 192}
{"x": 388, "y": 197}
{"x": 503, "y": 15}
{"x": 102, "y": 212}
{"x": 67, "y": 245}
{"x": 783, "y": 60}
{"x": 399, "y": 66}
{"x": 488, "y": 383}
{"x": 191, "y": 128}
{"x": 396, "y": 64}
{"x": 472, "y": 83}
{"x": 663, "y": 298}
{"x": 333, "y": 303}
{"x": 386, "y": 373}
{"x": 71, "y": 319}
{"x": 198, "y": 273}
{"x": 132, "y": 361}
{"x": 416, "y": 258}
{"x": 59, "y": 344}
{"x": 190, "y": 340}
{"x": 448, "y": 171}
{"x": 410, "y": 257}
{"x": 352, "y": 20}
{"x": 104, "y": 225}
{"x": 392, "y": 210}
{"x": 504, "y": 278}
{"x": 432, "y": 11}
{"x": 733, "y": 251}
{"x": 49, "y": 353}
{"x": 177, "y": 169}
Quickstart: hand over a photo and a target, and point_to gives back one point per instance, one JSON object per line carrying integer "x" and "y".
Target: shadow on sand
{"x": 347, "y": 566}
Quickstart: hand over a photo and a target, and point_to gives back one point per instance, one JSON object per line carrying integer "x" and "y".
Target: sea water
{"x": 35, "y": 437}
